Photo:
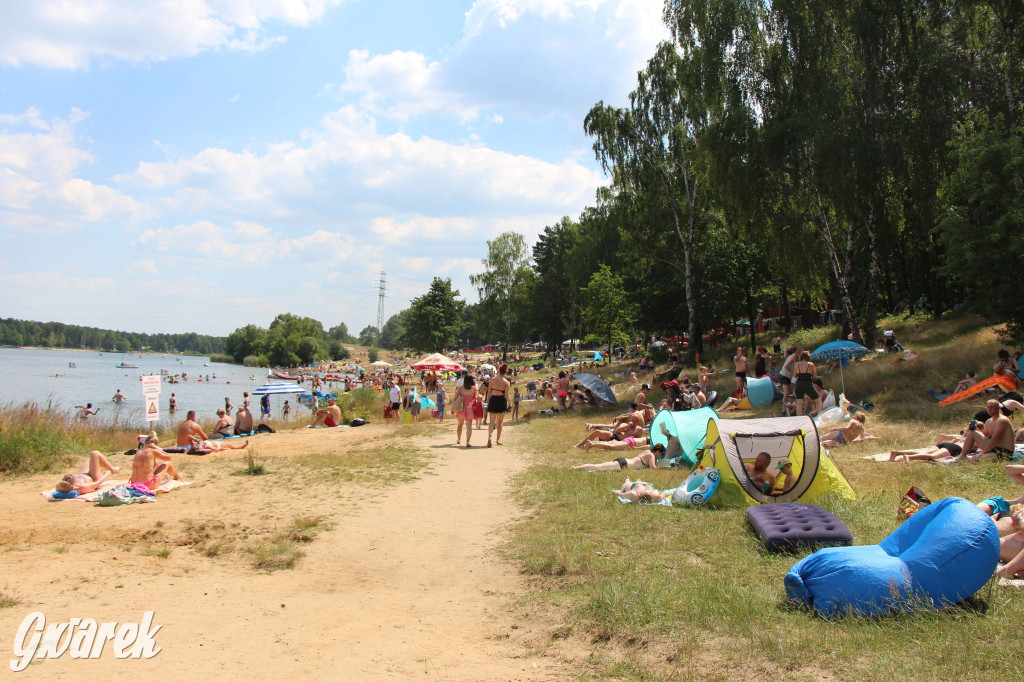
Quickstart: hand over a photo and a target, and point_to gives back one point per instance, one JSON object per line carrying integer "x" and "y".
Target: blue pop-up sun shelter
{"x": 689, "y": 426}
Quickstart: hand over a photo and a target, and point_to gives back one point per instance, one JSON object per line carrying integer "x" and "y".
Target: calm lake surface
{"x": 45, "y": 376}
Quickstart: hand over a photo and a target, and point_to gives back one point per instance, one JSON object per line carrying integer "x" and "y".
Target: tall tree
{"x": 434, "y": 320}
{"x": 609, "y": 312}
{"x": 504, "y": 286}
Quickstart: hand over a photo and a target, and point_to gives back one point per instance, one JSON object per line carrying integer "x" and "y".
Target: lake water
{"x": 44, "y": 376}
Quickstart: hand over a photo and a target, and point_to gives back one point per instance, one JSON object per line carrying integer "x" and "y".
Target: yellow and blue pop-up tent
{"x": 731, "y": 444}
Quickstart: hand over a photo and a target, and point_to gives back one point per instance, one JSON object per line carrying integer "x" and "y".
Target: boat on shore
{"x": 283, "y": 375}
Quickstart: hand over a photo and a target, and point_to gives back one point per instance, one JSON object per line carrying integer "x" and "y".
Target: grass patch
{"x": 283, "y": 550}
{"x": 387, "y": 465}
{"x": 664, "y": 591}
{"x": 159, "y": 553}
{"x": 253, "y": 462}
{"x": 8, "y": 599}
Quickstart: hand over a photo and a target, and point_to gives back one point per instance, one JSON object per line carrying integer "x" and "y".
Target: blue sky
{"x": 197, "y": 166}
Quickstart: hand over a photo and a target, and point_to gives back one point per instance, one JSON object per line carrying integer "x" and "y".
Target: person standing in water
{"x": 119, "y": 397}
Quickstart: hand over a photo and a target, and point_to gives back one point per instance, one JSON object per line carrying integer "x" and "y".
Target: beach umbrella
{"x": 380, "y": 363}
{"x": 598, "y": 387}
{"x": 658, "y": 344}
{"x": 436, "y": 361}
{"x": 276, "y": 387}
{"x": 839, "y": 350}
{"x": 487, "y": 367}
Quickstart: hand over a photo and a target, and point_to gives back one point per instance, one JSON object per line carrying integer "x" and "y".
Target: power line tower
{"x": 381, "y": 288}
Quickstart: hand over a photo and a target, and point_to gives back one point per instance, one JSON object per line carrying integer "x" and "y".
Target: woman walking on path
{"x": 462, "y": 406}
{"x": 497, "y": 403}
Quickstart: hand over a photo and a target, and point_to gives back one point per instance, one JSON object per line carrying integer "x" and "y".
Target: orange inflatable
{"x": 1004, "y": 382}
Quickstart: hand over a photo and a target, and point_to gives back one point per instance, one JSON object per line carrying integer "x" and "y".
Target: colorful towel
{"x": 94, "y": 496}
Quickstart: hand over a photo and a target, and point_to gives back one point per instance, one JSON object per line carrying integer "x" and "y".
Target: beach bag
{"x": 457, "y": 404}
{"x": 913, "y": 501}
{"x": 358, "y": 421}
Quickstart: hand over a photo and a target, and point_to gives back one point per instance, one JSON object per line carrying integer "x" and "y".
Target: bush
{"x": 221, "y": 357}
{"x": 373, "y": 353}
{"x": 255, "y": 361}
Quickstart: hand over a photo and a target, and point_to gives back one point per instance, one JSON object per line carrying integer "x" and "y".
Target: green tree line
{"x": 58, "y": 335}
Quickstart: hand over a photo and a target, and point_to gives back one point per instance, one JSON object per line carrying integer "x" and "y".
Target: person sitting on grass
{"x": 90, "y": 476}
{"x": 328, "y": 416}
{"x": 146, "y": 469}
{"x": 966, "y": 382}
{"x": 994, "y": 439}
{"x": 638, "y": 491}
{"x": 847, "y": 434}
{"x": 645, "y": 460}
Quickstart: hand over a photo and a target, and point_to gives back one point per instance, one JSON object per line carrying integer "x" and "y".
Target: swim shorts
{"x": 1002, "y": 453}
{"x": 953, "y": 449}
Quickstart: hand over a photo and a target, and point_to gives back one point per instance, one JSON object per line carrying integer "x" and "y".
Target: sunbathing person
{"x": 630, "y": 415}
{"x": 638, "y": 491}
{"x": 994, "y": 439}
{"x": 329, "y": 416}
{"x": 627, "y": 443}
{"x": 1011, "y": 548}
{"x": 947, "y": 446}
{"x": 90, "y": 476}
{"x": 189, "y": 428}
{"x": 623, "y": 431}
{"x": 645, "y": 460}
{"x": 224, "y": 428}
{"x": 848, "y": 433}
{"x": 151, "y": 465}
{"x": 966, "y": 383}
{"x": 214, "y": 446}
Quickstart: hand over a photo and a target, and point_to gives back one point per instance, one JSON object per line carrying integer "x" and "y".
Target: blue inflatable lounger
{"x": 940, "y": 556}
{"x": 789, "y": 526}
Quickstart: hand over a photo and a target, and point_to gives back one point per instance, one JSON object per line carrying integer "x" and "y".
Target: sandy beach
{"x": 405, "y": 583}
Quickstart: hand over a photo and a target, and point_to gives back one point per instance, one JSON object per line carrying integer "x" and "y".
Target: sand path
{"x": 408, "y": 585}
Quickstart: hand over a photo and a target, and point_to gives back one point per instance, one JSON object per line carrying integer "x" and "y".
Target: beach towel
{"x": 94, "y": 496}
{"x": 338, "y": 426}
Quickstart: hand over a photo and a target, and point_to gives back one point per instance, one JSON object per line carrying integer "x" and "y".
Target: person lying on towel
{"x": 91, "y": 475}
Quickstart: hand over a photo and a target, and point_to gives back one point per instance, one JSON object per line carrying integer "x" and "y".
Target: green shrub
{"x": 255, "y": 361}
{"x": 373, "y": 353}
{"x": 221, "y": 357}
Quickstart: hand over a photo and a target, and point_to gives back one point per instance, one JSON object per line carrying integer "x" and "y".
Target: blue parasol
{"x": 839, "y": 350}
{"x": 598, "y": 387}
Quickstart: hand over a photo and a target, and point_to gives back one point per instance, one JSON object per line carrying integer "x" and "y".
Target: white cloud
{"x": 346, "y": 161}
{"x": 39, "y": 189}
{"x": 70, "y": 34}
{"x": 579, "y": 51}
{"x": 144, "y": 265}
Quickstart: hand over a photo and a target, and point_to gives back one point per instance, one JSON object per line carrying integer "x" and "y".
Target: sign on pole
{"x": 152, "y": 410}
{"x": 151, "y": 385}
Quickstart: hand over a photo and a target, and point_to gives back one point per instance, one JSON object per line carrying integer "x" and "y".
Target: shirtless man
{"x": 995, "y": 439}
{"x": 645, "y": 460}
{"x": 621, "y": 432}
{"x": 119, "y": 397}
{"x": 846, "y": 434}
{"x": 740, "y": 360}
{"x": 330, "y": 415}
{"x": 243, "y": 420}
{"x": 189, "y": 428}
{"x": 151, "y": 464}
{"x": 86, "y": 411}
{"x": 224, "y": 428}
{"x": 758, "y": 472}
{"x": 966, "y": 383}
{"x": 90, "y": 476}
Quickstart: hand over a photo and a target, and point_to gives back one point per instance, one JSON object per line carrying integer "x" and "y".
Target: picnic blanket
{"x": 94, "y": 496}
